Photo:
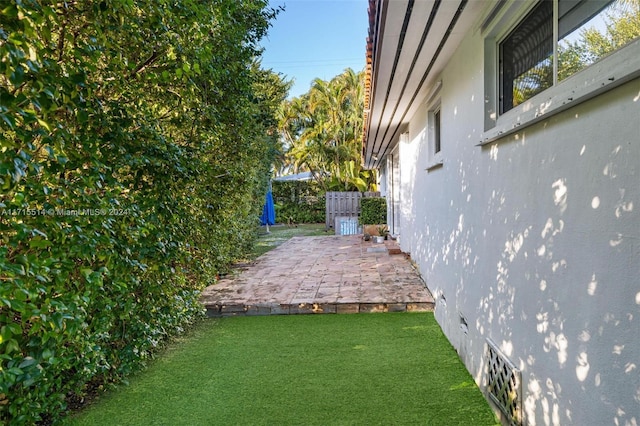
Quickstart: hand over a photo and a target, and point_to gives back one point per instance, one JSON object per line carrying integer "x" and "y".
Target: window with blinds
{"x": 558, "y": 38}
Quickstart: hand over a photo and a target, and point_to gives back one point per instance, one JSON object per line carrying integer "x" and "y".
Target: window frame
{"x": 502, "y": 53}
{"x": 437, "y": 131}
{"x": 617, "y": 68}
{"x": 434, "y": 135}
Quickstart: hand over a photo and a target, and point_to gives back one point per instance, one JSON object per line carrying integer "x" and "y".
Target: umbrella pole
{"x": 268, "y": 232}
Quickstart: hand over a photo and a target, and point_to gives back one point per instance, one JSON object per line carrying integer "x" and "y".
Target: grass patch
{"x": 365, "y": 369}
{"x": 281, "y": 233}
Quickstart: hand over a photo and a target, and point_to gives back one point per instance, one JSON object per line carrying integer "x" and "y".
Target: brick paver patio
{"x": 333, "y": 274}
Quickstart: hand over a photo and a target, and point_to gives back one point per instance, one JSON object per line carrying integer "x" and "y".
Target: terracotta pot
{"x": 371, "y": 229}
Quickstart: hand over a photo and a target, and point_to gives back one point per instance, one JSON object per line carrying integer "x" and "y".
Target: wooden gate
{"x": 344, "y": 204}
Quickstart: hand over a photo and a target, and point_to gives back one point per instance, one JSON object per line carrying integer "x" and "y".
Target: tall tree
{"x": 323, "y": 129}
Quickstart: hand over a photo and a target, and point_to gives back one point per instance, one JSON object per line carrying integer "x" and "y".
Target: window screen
{"x": 526, "y": 57}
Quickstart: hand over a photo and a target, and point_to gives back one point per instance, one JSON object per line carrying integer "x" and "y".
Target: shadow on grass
{"x": 365, "y": 369}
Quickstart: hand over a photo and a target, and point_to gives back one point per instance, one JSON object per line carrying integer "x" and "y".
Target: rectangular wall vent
{"x": 503, "y": 384}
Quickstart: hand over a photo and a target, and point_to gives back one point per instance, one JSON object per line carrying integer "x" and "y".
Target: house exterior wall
{"x": 383, "y": 181}
{"x": 534, "y": 242}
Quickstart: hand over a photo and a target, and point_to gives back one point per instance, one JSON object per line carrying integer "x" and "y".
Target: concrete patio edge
{"x": 215, "y": 310}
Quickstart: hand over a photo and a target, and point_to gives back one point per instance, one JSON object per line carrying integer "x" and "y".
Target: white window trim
{"x": 435, "y": 158}
{"x": 619, "y": 67}
{"x": 434, "y": 103}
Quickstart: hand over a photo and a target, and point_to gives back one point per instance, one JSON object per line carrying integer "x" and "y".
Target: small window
{"x": 558, "y": 38}
{"x": 436, "y": 131}
{"x": 434, "y": 136}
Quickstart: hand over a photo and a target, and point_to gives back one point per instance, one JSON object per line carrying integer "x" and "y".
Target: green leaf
{"x": 44, "y": 124}
{"x": 10, "y": 11}
{"x": 27, "y": 362}
{"x": 9, "y": 120}
{"x": 39, "y": 243}
{"x": 15, "y": 269}
{"x": 15, "y": 370}
{"x": 83, "y": 116}
{"x": 17, "y": 76}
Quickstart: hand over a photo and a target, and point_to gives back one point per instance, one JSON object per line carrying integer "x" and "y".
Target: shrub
{"x": 373, "y": 211}
{"x": 299, "y": 201}
{"x": 129, "y": 169}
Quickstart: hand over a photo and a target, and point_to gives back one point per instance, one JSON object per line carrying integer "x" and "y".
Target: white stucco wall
{"x": 534, "y": 242}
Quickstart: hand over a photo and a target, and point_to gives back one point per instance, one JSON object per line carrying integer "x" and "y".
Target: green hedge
{"x": 373, "y": 211}
{"x": 130, "y": 164}
{"x": 299, "y": 202}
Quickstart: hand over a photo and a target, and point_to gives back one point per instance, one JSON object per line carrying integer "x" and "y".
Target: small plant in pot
{"x": 382, "y": 234}
{"x": 373, "y": 215}
{"x": 383, "y": 231}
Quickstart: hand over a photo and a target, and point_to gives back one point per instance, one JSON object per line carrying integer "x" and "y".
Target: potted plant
{"x": 383, "y": 231}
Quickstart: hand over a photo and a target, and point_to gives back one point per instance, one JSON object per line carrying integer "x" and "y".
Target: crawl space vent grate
{"x": 503, "y": 384}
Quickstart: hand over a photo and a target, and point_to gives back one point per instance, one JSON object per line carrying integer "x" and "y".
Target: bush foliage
{"x": 373, "y": 211}
{"x": 299, "y": 201}
{"x": 133, "y": 143}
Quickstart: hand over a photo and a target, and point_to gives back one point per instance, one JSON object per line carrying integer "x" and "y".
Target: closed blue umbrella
{"x": 268, "y": 216}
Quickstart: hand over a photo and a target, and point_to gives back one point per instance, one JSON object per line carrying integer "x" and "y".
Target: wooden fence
{"x": 344, "y": 204}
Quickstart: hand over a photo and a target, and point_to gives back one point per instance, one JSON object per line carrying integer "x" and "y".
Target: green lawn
{"x": 364, "y": 369}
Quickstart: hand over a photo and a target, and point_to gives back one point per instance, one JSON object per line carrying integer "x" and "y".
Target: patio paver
{"x": 333, "y": 274}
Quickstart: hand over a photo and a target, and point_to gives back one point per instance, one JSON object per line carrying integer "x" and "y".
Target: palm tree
{"x": 324, "y": 128}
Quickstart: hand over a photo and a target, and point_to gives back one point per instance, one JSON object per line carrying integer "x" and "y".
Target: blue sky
{"x": 316, "y": 38}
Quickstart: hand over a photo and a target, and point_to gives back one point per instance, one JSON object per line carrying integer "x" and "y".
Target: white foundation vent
{"x": 503, "y": 384}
